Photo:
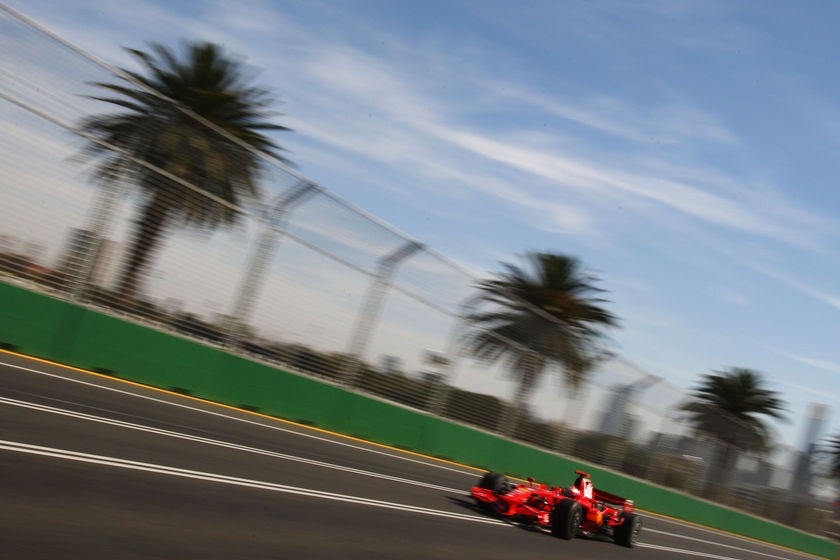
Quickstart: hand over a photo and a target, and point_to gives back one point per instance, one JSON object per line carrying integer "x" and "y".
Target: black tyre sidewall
{"x": 494, "y": 481}
{"x": 566, "y": 519}
{"x": 626, "y": 532}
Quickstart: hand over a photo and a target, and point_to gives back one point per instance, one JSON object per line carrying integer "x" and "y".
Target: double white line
{"x": 231, "y": 480}
{"x": 77, "y": 456}
{"x": 218, "y": 443}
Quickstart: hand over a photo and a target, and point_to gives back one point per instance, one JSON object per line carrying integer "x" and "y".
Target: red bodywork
{"x": 535, "y": 503}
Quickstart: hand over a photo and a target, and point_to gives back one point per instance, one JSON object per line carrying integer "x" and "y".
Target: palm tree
{"x": 190, "y": 134}
{"x": 531, "y": 318}
{"x": 729, "y": 406}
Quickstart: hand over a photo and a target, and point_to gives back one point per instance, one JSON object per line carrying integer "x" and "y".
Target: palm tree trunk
{"x": 527, "y": 380}
{"x": 514, "y": 412}
{"x": 723, "y": 471}
{"x": 151, "y": 224}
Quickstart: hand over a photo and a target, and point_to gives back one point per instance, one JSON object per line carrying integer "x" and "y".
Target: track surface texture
{"x": 92, "y": 467}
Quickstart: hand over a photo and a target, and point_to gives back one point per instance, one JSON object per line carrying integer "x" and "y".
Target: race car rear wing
{"x": 613, "y": 499}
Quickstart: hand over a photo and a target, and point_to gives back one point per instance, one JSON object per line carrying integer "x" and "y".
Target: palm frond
{"x": 190, "y": 132}
{"x": 730, "y": 406}
{"x": 538, "y": 316}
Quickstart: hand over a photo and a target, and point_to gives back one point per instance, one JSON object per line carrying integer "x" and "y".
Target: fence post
{"x": 276, "y": 221}
{"x": 372, "y": 305}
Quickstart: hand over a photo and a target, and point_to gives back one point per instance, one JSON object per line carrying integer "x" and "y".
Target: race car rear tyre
{"x": 497, "y": 482}
{"x": 566, "y": 519}
{"x": 627, "y": 534}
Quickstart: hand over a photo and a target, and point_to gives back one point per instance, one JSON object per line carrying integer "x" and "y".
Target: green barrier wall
{"x": 45, "y": 327}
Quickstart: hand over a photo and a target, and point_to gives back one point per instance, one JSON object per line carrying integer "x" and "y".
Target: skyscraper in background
{"x": 817, "y": 416}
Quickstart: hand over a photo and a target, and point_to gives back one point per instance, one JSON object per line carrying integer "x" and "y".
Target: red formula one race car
{"x": 578, "y": 509}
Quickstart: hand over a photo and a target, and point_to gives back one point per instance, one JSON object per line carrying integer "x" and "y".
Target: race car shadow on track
{"x": 466, "y": 502}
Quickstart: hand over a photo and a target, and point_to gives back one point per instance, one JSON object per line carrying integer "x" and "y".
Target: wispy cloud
{"x": 670, "y": 122}
{"x": 833, "y": 300}
{"x": 816, "y": 394}
{"x": 406, "y": 126}
{"x": 824, "y": 365}
{"x": 699, "y": 26}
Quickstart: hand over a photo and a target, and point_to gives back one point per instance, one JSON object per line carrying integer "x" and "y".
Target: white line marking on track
{"x": 218, "y": 443}
{"x": 716, "y": 543}
{"x": 282, "y": 488}
{"x": 235, "y": 481}
{"x": 687, "y": 552}
{"x": 430, "y": 462}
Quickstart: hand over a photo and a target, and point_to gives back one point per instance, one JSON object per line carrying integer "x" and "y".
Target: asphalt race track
{"x": 91, "y": 467}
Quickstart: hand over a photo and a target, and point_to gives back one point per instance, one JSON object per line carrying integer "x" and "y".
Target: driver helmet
{"x": 572, "y": 491}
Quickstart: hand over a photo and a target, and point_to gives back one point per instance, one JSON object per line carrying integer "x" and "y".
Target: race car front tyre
{"x": 566, "y": 519}
{"x": 497, "y": 482}
{"x": 627, "y": 534}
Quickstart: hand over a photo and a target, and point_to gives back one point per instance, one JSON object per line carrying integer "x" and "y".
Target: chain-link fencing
{"x": 313, "y": 284}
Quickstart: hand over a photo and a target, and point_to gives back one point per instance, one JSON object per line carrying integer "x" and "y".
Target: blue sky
{"x": 685, "y": 151}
